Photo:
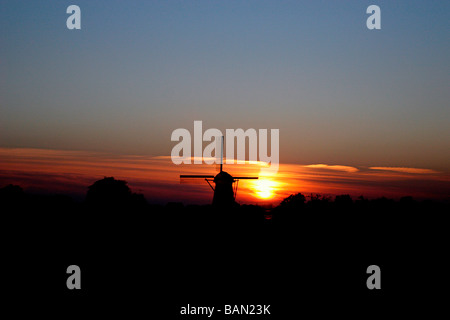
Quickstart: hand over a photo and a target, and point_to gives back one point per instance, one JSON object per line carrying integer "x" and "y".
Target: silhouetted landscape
{"x": 250, "y": 250}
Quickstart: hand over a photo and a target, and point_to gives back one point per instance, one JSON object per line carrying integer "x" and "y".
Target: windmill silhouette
{"x": 224, "y": 193}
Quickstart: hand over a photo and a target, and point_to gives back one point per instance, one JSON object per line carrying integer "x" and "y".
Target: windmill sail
{"x": 196, "y": 176}
{"x": 244, "y": 178}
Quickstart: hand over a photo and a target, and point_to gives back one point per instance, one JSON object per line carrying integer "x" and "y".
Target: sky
{"x": 340, "y": 94}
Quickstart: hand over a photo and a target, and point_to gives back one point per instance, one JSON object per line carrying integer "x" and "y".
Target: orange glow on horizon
{"x": 71, "y": 172}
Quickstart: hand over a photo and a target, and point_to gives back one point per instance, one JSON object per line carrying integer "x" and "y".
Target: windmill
{"x": 224, "y": 193}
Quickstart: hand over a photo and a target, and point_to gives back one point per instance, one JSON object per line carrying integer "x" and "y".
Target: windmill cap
{"x": 223, "y": 177}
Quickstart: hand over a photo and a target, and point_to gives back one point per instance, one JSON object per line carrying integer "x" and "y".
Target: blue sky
{"x": 137, "y": 70}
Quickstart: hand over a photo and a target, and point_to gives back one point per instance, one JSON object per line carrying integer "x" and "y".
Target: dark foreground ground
{"x": 309, "y": 259}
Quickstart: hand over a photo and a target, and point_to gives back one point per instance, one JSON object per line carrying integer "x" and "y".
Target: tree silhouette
{"x": 294, "y": 201}
{"x": 108, "y": 190}
{"x": 12, "y": 195}
{"x": 112, "y": 194}
{"x": 343, "y": 200}
{"x": 11, "y": 191}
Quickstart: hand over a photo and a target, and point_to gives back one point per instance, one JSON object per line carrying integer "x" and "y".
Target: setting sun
{"x": 264, "y": 189}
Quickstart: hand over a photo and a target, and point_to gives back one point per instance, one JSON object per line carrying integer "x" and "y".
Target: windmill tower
{"x": 224, "y": 193}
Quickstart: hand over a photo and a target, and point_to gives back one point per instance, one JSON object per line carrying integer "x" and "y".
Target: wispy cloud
{"x": 405, "y": 170}
{"x": 332, "y": 167}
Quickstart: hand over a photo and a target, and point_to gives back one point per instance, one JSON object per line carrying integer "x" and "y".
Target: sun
{"x": 264, "y": 189}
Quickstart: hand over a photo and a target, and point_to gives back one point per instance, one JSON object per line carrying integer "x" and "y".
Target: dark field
{"x": 307, "y": 255}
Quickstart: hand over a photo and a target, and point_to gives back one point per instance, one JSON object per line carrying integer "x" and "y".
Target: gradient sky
{"x": 339, "y": 93}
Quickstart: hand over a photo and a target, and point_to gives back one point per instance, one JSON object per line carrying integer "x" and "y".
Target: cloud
{"x": 405, "y": 170}
{"x": 332, "y": 167}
